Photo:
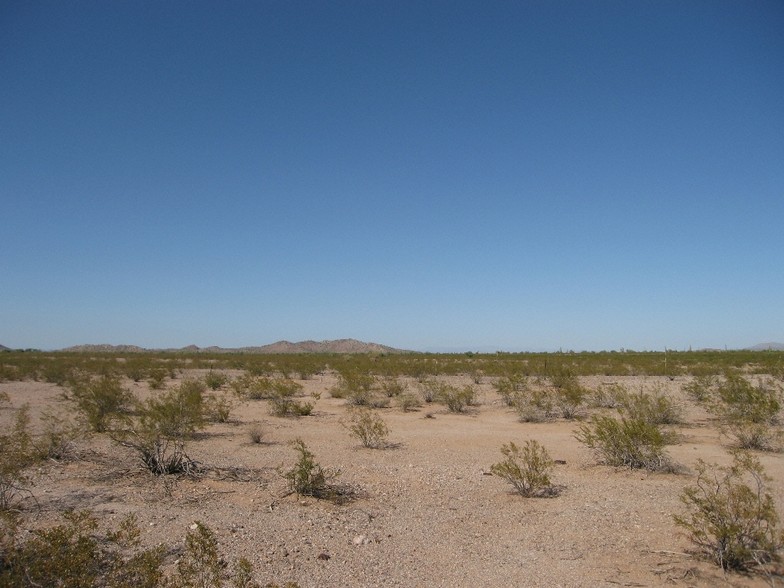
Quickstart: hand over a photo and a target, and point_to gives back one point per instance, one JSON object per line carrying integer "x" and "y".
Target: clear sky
{"x": 431, "y": 175}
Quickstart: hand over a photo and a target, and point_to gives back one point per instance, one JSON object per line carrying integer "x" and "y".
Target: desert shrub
{"x": 156, "y": 378}
{"x": 283, "y": 403}
{"x": 355, "y": 386}
{"x": 749, "y": 413}
{"x": 737, "y": 399}
{"x": 215, "y": 380}
{"x": 626, "y": 442}
{"x": 536, "y": 406}
{"x": 408, "y": 401}
{"x": 256, "y": 433}
{"x": 656, "y": 407}
{"x": 392, "y": 387}
{"x": 563, "y": 378}
{"x": 76, "y": 553}
{"x": 307, "y": 477}
{"x": 59, "y": 435}
{"x": 568, "y": 399}
{"x": 218, "y": 407}
{"x": 162, "y": 427}
{"x": 16, "y": 455}
{"x": 511, "y": 388}
{"x": 369, "y": 428}
{"x": 526, "y": 468}
{"x": 457, "y": 399}
{"x": 431, "y": 389}
{"x": 100, "y": 399}
{"x": 700, "y": 389}
{"x": 607, "y": 396}
{"x": 201, "y": 564}
{"x": 732, "y": 518}
{"x": 4, "y": 398}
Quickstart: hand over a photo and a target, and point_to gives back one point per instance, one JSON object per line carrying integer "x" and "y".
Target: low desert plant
{"x": 283, "y": 404}
{"x": 215, "y": 380}
{"x": 218, "y": 407}
{"x": 749, "y": 413}
{"x": 526, "y": 468}
{"x": 355, "y": 386}
{"x": 732, "y": 518}
{"x": 17, "y": 453}
{"x": 77, "y": 553}
{"x": 701, "y": 388}
{"x": 569, "y": 398}
{"x": 626, "y": 442}
{"x": 369, "y": 428}
{"x": 607, "y": 396}
{"x": 393, "y": 387}
{"x": 535, "y": 406}
{"x": 307, "y": 477}
{"x": 58, "y": 438}
{"x": 511, "y": 388}
{"x": 655, "y": 407}
{"x": 156, "y": 378}
{"x": 457, "y": 399}
{"x": 162, "y": 427}
{"x": 100, "y": 399}
{"x": 408, "y": 401}
{"x": 256, "y": 433}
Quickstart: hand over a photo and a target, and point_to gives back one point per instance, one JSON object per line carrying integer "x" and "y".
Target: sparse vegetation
{"x": 626, "y": 442}
{"x": 526, "y": 468}
{"x": 369, "y": 428}
{"x": 100, "y": 399}
{"x": 732, "y": 518}
{"x": 307, "y": 477}
{"x": 162, "y": 427}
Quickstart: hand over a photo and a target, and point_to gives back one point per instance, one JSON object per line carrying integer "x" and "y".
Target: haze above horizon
{"x": 426, "y": 175}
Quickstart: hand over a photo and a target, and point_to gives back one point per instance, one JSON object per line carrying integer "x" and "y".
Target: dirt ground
{"x": 427, "y": 510}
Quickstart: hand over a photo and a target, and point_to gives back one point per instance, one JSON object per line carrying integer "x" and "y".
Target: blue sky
{"x": 428, "y": 175}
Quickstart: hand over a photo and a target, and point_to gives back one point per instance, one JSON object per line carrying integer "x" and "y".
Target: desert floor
{"x": 427, "y": 511}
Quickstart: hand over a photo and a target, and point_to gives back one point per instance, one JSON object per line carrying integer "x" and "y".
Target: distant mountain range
{"x": 767, "y": 347}
{"x": 336, "y": 346}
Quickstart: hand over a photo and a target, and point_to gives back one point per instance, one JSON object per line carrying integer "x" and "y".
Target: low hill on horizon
{"x": 334, "y": 346}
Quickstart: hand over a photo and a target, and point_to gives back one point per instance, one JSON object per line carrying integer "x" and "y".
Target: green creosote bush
{"x": 569, "y": 399}
{"x": 431, "y": 389}
{"x": 393, "y": 387}
{"x": 626, "y": 442}
{"x": 749, "y": 413}
{"x": 526, "y": 468}
{"x": 101, "y": 400}
{"x": 536, "y": 406}
{"x": 59, "y": 435}
{"x": 700, "y": 389}
{"x": 655, "y": 407}
{"x": 369, "y": 428}
{"x": 607, "y": 396}
{"x": 215, "y": 380}
{"x": 156, "y": 378}
{"x": 732, "y": 518}
{"x": 76, "y": 553}
{"x": 163, "y": 425}
{"x": 283, "y": 404}
{"x": 408, "y": 401}
{"x": 218, "y": 407}
{"x": 511, "y": 388}
{"x": 17, "y": 453}
{"x": 457, "y": 399}
{"x": 355, "y": 386}
{"x": 307, "y": 477}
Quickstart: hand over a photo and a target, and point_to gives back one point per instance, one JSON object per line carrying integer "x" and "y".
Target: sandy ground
{"x": 427, "y": 513}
